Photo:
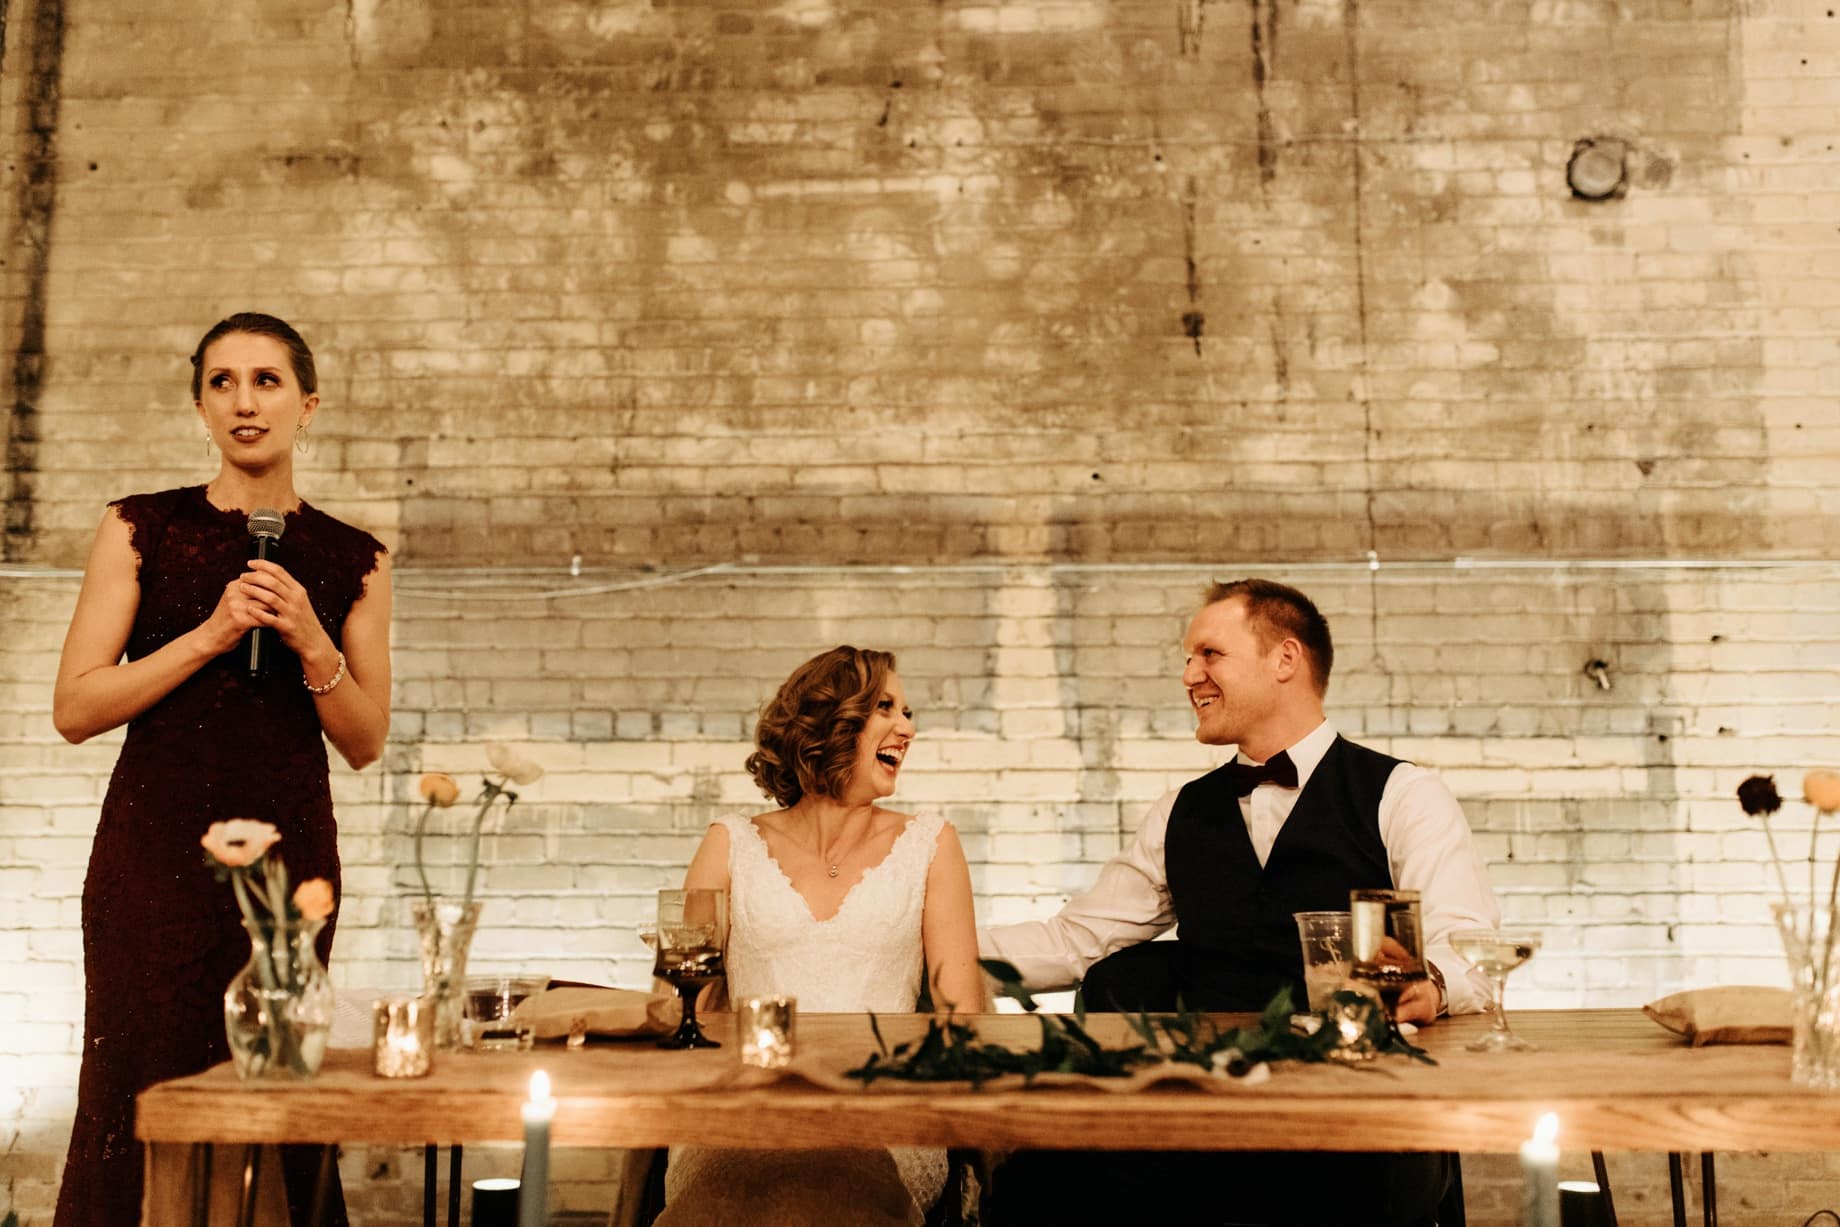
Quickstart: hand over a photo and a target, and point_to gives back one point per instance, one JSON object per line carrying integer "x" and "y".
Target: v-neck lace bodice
{"x": 867, "y": 956}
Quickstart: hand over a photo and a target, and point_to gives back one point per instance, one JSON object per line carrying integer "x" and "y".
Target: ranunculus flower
{"x": 1822, "y": 790}
{"x": 239, "y": 842}
{"x": 438, "y": 788}
{"x": 314, "y": 898}
{"x": 513, "y": 766}
{"x": 1758, "y": 795}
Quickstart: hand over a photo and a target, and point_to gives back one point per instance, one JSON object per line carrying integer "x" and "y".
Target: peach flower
{"x": 314, "y": 898}
{"x": 1821, "y": 789}
{"x": 513, "y": 766}
{"x": 239, "y": 842}
{"x": 438, "y": 788}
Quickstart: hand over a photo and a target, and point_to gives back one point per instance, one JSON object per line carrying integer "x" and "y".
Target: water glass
{"x": 1325, "y": 937}
{"x": 491, "y": 1002}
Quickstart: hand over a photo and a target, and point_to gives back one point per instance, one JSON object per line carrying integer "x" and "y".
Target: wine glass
{"x": 1495, "y": 953}
{"x": 692, "y": 930}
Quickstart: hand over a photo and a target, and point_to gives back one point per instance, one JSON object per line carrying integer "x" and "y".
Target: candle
{"x": 765, "y": 1026}
{"x": 539, "y": 1110}
{"x": 1540, "y": 1166}
{"x": 402, "y": 1036}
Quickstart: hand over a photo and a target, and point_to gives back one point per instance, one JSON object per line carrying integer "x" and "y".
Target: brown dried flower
{"x": 1758, "y": 796}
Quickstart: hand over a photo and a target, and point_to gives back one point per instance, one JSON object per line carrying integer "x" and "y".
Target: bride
{"x": 844, "y": 905}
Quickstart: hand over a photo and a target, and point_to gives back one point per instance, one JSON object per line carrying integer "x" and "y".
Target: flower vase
{"x": 1808, "y": 936}
{"x": 278, "y": 1009}
{"x": 445, "y": 929}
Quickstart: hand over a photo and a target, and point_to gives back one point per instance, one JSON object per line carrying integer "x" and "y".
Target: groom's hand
{"x": 1418, "y": 1004}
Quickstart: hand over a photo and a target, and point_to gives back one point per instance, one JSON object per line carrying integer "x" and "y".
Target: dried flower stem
{"x": 491, "y": 793}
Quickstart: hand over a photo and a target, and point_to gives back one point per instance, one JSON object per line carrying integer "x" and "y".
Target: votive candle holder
{"x": 765, "y": 1028}
{"x": 402, "y": 1036}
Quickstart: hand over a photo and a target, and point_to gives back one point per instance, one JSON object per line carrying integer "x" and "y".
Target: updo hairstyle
{"x": 256, "y": 324}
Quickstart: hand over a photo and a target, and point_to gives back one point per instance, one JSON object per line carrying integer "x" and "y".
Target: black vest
{"x": 1238, "y": 938}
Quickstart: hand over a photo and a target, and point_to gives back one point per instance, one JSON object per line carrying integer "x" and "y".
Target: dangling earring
{"x": 207, "y": 443}
{"x": 300, "y": 439}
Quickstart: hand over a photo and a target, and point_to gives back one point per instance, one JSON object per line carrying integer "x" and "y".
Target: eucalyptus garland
{"x": 951, "y": 1051}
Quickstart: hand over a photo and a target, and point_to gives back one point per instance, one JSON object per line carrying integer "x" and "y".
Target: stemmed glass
{"x": 692, "y": 931}
{"x": 1495, "y": 953}
{"x": 1386, "y": 939}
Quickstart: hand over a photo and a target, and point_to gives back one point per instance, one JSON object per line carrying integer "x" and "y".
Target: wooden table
{"x": 1616, "y": 1080}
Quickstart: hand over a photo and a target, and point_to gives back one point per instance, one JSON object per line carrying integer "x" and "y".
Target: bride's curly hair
{"x": 806, "y": 739}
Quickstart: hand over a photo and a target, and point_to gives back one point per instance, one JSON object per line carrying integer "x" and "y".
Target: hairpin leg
{"x": 453, "y": 1185}
{"x": 201, "y": 1190}
{"x": 1708, "y": 1190}
{"x": 252, "y": 1178}
{"x": 1677, "y": 1188}
{"x": 430, "y": 1171}
{"x": 1603, "y": 1186}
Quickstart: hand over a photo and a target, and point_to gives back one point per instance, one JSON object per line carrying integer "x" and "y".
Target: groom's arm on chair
{"x": 1127, "y": 904}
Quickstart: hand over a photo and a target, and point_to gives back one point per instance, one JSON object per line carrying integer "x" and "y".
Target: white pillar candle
{"x": 1540, "y": 1169}
{"x": 539, "y": 1110}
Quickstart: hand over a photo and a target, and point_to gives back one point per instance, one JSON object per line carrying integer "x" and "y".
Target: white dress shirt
{"x": 1428, "y": 848}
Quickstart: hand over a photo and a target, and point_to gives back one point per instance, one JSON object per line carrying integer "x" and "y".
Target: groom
{"x": 1296, "y": 821}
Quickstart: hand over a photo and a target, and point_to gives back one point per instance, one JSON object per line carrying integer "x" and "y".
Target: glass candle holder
{"x": 764, "y": 1025}
{"x": 402, "y": 1036}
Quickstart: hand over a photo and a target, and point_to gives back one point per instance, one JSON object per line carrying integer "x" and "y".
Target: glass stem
{"x": 1501, "y": 1015}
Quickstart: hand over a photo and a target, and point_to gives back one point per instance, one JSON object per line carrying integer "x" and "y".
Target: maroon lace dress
{"x": 161, "y": 938}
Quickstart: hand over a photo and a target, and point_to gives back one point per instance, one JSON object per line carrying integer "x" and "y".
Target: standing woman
{"x": 170, "y": 586}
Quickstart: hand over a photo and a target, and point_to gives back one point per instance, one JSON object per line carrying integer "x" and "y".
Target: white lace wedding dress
{"x": 866, "y": 957}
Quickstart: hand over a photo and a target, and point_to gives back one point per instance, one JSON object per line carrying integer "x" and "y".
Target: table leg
{"x": 252, "y": 1179}
{"x": 1603, "y": 1186}
{"x": 453, "y": 1184}
{"x": 201, "y": 1192}
{"x": 1708, "y": 1190}
{"x": 1677, "y": 1189}
{"x": 431, "y": 1170}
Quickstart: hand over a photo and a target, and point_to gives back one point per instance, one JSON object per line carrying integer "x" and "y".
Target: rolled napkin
{"x": 1733, "y": 1014}
{"x": 557, "y": 1013}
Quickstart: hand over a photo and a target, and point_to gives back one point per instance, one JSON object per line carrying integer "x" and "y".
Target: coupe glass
{"x": 1495, "y": 953}
{"x": 692, "y": 931}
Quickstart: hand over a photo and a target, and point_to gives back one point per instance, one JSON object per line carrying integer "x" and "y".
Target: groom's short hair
{"x": 1277, "y": 611}
{"x": 806, "y": 739}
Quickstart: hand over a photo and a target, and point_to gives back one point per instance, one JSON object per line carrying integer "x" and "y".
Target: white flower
{"x": 239, "y": 842}
{"x": 512, "y": 765}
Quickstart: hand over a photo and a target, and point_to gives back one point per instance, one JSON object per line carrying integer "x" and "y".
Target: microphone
{"x": 265, "y": 529}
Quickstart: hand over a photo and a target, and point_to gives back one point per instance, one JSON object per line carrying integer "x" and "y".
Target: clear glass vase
{"x": 1809, "y": 940}
{"x": 445, "y": 930}
{"x": 278, "y": 1009}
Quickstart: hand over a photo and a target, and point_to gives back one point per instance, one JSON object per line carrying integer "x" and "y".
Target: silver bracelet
{"x": 337, "y": 677}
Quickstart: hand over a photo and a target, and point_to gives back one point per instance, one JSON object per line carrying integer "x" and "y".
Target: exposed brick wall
{"x": 1068, "y": 306}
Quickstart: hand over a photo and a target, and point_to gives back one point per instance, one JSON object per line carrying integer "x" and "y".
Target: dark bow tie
{"x": 1244, "y": 777}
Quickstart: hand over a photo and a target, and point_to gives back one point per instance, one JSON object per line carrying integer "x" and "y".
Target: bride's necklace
{"x": 834, "y": 861}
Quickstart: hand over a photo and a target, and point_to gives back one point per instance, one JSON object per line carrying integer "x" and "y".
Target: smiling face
{"x": 250, "y": 399}
{"x": 882, "y": 745}
{"x": 1234, "y": 681}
